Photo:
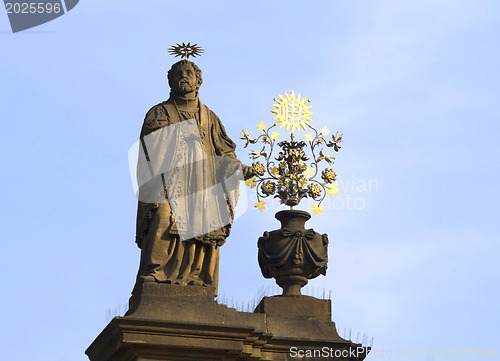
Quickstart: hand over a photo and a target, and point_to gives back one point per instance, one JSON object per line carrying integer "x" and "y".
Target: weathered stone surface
{"x": 294, "y": 306}
{"x": 172, "y": 322}
{"x": 148, "y": 299}
{"x": 193, "y": 304}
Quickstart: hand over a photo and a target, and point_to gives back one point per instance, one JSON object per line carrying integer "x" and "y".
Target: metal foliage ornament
{"x": 291, "y": 174}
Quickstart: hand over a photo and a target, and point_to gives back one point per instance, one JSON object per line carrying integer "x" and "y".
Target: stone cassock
{"x": 188, "y": 179}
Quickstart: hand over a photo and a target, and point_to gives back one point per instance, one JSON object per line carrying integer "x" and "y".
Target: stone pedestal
{"x": 173, "y": 323}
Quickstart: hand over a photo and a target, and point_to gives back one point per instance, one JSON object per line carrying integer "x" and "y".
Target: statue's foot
{"x": 148, "y": 279}
{"x": 196, "y": 283}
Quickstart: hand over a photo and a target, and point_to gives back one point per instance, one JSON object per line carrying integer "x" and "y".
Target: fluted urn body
{"x": 293, "y": 255}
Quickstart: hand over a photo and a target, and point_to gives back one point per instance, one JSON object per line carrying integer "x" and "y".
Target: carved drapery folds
{"x": 293, "y": 254}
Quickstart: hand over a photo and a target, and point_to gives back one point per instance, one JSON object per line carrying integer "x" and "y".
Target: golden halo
{"x": 186, "y": 50}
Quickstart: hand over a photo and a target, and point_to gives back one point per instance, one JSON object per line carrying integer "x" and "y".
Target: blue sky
{"x": 413, "y": 85}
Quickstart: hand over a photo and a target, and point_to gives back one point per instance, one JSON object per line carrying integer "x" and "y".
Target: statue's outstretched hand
{"x": 248, "y": 171}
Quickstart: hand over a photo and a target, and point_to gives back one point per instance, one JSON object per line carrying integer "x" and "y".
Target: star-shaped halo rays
{"x": 186, "y": 50}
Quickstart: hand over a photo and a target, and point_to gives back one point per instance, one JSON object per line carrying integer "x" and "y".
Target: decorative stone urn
{"x": 293, "y": 255}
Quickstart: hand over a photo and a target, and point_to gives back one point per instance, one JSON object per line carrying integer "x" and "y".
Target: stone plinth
{"x": 170, "y": 322}
{"x": 296, "y": 306}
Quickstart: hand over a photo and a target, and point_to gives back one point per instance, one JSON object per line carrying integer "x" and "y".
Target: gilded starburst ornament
{"x": 292, "y": 112}
{"x": 186, "y": 50}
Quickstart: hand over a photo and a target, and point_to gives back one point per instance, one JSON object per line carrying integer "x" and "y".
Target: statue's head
{"x": 184, "y": 77}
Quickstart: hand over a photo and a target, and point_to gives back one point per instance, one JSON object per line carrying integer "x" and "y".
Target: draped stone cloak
{"x": 166, "y": 255}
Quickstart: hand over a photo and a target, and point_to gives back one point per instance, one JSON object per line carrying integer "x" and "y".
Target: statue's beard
{"x": 185, "y": 88}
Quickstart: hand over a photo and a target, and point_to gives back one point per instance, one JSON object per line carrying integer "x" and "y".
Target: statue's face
{"x": 183, "y": 80}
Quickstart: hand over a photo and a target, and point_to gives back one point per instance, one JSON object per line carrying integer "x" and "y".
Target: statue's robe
{"x": 165, "y": 254}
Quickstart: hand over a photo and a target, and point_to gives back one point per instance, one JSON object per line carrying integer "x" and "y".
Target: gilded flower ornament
{"x": 288, "y": 168}
{"x": 329, "y": 175}
{"x": 259, "y": 168}
{"x": 268, "y": 188}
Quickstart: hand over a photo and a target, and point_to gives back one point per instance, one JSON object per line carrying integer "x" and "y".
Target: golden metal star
{"x": 186, "y": 50}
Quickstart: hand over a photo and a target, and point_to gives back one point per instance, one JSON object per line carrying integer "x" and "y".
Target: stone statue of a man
{"x": 188, "y": 177}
